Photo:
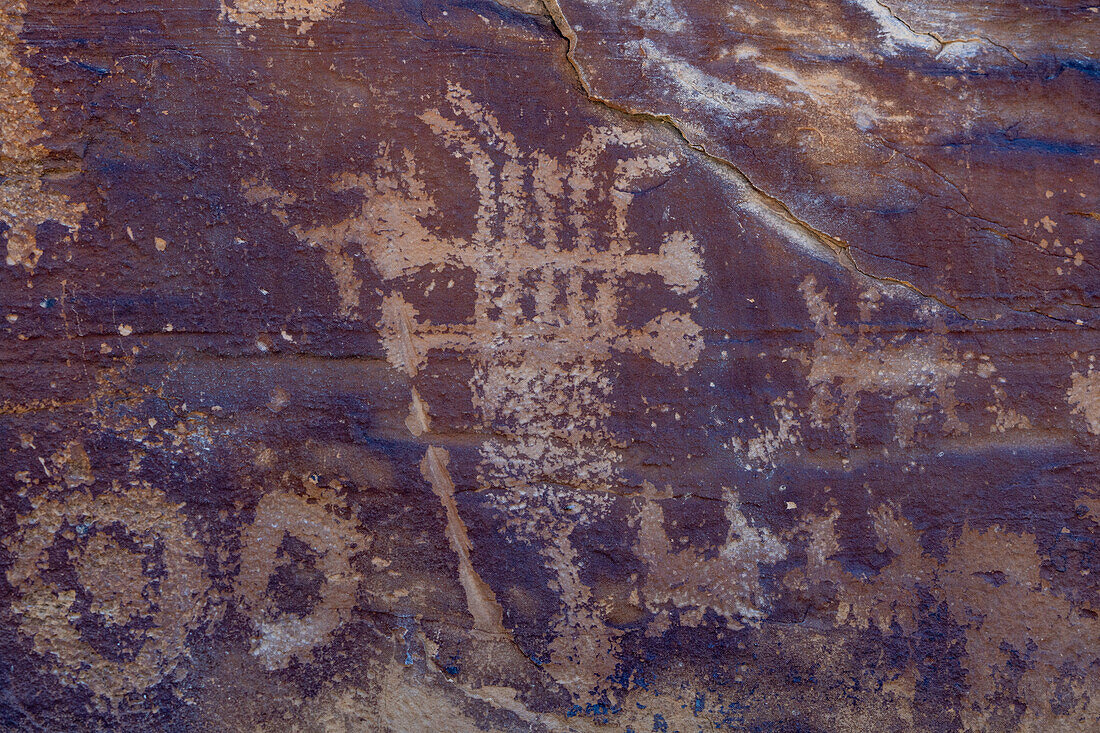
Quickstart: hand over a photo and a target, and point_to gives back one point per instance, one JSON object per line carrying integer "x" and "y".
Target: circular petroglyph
{"x": 108, "y": 587}
{"x": 297, "y": 583}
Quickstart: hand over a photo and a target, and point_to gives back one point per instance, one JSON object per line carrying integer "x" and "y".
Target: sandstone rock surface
{"x": 549, "y": 365}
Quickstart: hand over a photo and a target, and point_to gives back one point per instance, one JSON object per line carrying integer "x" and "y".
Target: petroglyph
{"x": 692, "y": 582}
{"x": 584, "y": 649}
{"x": 918, "y": 373}
{"x": 991, "y": 584}
{"x": 845, "y": 364}
{"x": 1005, "y": 418}
{"x": 109, "y": 585}
{"x": 250, "y": 13}
{"x": 1084, "y": 395}
{"x": 73, "y": 465}
{"x": 26, "y": 197}
{"x": 550, "y": 251}
{"x": 761, "y": 452}
{"x": 539, "y": 377}
{"x": 456, "y": 358}
{"x": 890, "y": 596}
{"x": 305, "y": 541}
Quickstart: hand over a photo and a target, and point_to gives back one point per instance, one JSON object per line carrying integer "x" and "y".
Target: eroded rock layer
{"x": 657, "y": 365}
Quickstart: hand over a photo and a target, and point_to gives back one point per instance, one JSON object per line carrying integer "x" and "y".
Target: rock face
{"x": 656, "y": 365}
